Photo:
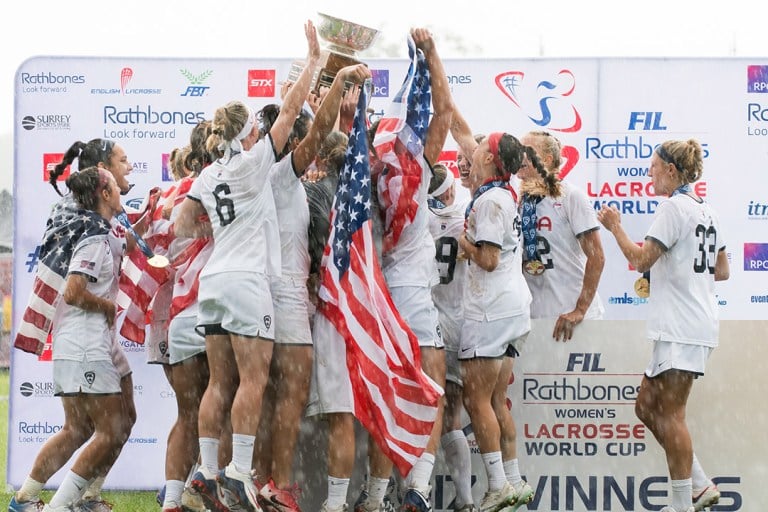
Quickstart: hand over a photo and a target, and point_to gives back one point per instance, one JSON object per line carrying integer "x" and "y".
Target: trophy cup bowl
{"x": 343, "y": 40}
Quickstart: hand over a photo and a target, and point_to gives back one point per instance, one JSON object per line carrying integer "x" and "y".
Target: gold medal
{"x": 534, "y": 267}
{"x": 158, "y": 261}
{"x": 643, "y": 288}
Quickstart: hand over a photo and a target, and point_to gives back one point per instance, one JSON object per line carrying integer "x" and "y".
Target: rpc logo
{"x": 380, "y": 80}
{"x": 757, "y": 79}
{"x": 756, "y": 257}
{"x": 261, "y": 83}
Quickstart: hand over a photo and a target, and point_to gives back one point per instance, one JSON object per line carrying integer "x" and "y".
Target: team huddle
{"x": 243, "y": 325}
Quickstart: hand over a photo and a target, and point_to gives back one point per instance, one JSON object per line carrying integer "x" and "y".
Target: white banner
{"x": 609, "y": 114}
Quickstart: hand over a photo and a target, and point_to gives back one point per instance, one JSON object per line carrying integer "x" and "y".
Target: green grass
{"x": 128, "y": 501}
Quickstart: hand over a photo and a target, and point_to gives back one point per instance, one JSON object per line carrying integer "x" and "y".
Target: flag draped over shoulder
{"x": 399, "y": 144}
{"x": 393, "y": 398}
{"x": 139, "y": 281}
{"x": 68, "y": 228}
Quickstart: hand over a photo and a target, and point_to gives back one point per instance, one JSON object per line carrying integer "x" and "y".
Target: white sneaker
{"x": 494, "y": 501}
{"x": 523, "y": 496}
{"x": 325, "y": 508}
{"x": 706, "y": 497}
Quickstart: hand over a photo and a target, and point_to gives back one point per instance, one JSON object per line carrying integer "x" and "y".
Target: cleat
{"x": 204, "y": 484}
{"x": 279, "y": 500}
{"x": 503, "y": 499}
{"x": 94, "y": 505}
{"x": 325, "y": 508}
{"x": 25, "y": 506}
{"x": 191, "y": 501}
{"x": 466, "y": 508}
{"x": 241, "y": 487}
{"x": 706, "y": 497}
{"x": 160, "y": 496}
{"x": 415, "y": 501}
{"x": 523, "y": 496}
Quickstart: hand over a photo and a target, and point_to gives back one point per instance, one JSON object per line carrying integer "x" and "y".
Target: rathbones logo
{"x": 547, "y": 102}
{"x": 148, "y": 115}
{"x": 46, "y": 122}
{"x": 36, "y": 389}
{"x": 757, "y": 79}
{"x": 261, "y": 83}
{"x": 380, "y": 81}
{"x": 756, "y": 257}
{"x": 195, "y": 87}
{"x": 48, "y": 82}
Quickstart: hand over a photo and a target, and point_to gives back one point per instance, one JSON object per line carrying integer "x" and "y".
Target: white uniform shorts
{"x": 119, "y": 359}
{"x": 157, "y": 342}
{"x": 330, "y": 390}
{"x": 184, "y": 341}
{"x": 291, "y": 299}
{"x": 668, "y": 355}
{"x": 418, "y": 310}
{"x": 239, "y": 302}
{"x": 495, "y": 338}
{"x": 453, "y": 367}
{"x": 85, "y": 377}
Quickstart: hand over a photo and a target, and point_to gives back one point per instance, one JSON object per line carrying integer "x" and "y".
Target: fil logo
{"x": 651, "y": 121}
{"x": 125, "y": 77}
{"x": 755, "y": 257}
{"x": 757, "y": 79}
{"x": 380, "y": 80}
{"x": 584, "y": 362}
{"x": 261, "y": 83}
{"x": 195, "y": 87}
{"x": 50, "y": 161}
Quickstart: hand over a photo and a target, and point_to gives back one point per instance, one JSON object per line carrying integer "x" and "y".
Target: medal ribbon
{"x": 528, "y": 218}
{"x": 485, "y": 187}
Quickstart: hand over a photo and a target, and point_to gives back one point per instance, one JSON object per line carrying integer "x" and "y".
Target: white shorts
{"x": 330, "y": 390}
{"x": 453, "y": 367}
{"x": 119, "y": 359}
{"x": 157, "y": 342}
{"x": 185, "y": 342}
{"x": 239, "y": 302}
{"x": 418, "y": 310}
{"x": 291, "y": 299}
{"x": 495, "y": 338}
{"x": 450, "y": 330}
{"x": 85, "y": 377}
{"x": 669, "y": 355}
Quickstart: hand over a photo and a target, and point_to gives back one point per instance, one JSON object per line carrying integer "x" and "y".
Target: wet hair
{"x": 548, "y": 144}
{"x": 510, "y": 156}
{"x": 88, "y": 154}
{"x": 86, "y": 185}
{"x": 267, "y": 116}
{"x": 333, "y": 151}
{"x": 686, "y": 156}
{"x": 439, "y": 174}
{"x": 177, "y": 160}
{"x": 199, "y": 157}
{"x": 227, "y": 123}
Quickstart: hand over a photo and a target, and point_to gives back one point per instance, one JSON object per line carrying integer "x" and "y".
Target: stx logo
{"x": 51, "y": 160}
{"x": 261, "y": 83}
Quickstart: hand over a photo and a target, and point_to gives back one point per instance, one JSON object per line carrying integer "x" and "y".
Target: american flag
{"x": 67, "y": 227}
{"x": 399, "y": 144}
{"x": 394, "y": 399}
{"x": 139, "y": 281}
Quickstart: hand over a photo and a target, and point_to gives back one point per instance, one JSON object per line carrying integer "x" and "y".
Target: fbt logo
{"x": 757, "y": 79}
{"x": 380, "y": 82}
{"x": 195, "y": 87}
{"x": 649, "y": 121}
{"x": 261, "y": 83}
{"x": 755, "y": 257}
{"x": 50, "y": 161}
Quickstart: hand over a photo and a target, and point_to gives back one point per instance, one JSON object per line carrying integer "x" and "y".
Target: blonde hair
{"x": 226, "y": 125}
{"x": 687, "y": 156}
{"x": 545, "y": 144}
{"x": 177, "y": 161}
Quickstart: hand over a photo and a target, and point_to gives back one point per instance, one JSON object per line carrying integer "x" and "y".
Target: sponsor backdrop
{"x": 579, "y": 442}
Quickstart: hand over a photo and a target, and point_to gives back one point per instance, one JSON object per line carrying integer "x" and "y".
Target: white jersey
{"x": 412, "y": 261}
{"x": 502, "y": 293}
{"x": 447, "y": 225}
{"x": 292, "y": 218}
{"x": 683, "y": 306}
{"x": 559, "y": 223}
{"x": 238, "y": 199}
{"x": 81, "y": 335}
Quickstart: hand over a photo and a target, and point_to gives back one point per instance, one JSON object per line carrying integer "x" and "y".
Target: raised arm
{"x": 294, "y": 98}
{"x": 442, "y": 102}
{"x": 462, "y": 133}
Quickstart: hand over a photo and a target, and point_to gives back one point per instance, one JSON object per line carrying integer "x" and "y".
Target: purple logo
{"x": 755, "y": 256}
{"x": 380, "y": 82}
{"x": 757, "y": 79}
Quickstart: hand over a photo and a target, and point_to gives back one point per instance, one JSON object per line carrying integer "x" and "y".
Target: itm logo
{"x": 125, "y": 76}
{"x": 755, "y": 257}
{"x": 651, "y": 121}
{"x": 545, "y": 102}
{"x": 195, "y": 87}
{"x": 757, "y": 79}
{"x": 380, "y": 80}
{"x": 261, "y": 83}
{"x": 757, "y": 210}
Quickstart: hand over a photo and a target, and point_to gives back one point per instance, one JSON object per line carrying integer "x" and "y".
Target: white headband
{"x": 248, "y": 127}
{"x": 444, "y": 186}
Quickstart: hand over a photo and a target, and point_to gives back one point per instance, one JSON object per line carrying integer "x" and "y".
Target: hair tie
{"x": 444, "y": 186}
{"x": 493, "y": 147}
{"x": 250, "y": 122}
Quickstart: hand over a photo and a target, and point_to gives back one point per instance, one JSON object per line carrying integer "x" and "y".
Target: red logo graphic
{"x": 51, "y": 160}
{"x": 261, "y": 83}
{"x": 125, "y": 76}
{"x": 448, "y": 159}
{"x": 570, "y": 156}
